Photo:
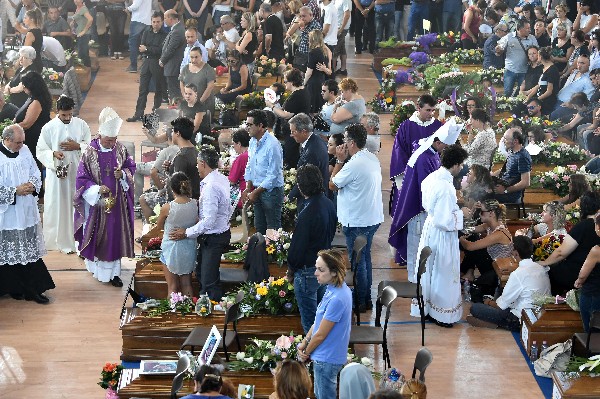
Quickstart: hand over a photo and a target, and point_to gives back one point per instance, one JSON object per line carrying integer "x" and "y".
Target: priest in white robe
{"x": 59, "y": 149}
{"x": 441, "y": 280}
{"x": 23, "y": 274}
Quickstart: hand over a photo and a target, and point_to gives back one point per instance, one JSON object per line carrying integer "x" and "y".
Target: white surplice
{"x": 441, "y": 280}
{"x": 58, "y": 204}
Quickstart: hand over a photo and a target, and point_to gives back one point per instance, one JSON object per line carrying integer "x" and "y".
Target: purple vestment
{"x": 408, "y": 203}
{"x": 408, "y": 132}
{"x": 106, "y": 236}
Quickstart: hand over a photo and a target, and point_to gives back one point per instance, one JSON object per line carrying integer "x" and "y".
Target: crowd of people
{"x": 318, "y": 125}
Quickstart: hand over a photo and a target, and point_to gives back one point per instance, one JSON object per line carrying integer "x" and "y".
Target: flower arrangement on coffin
{"x": 507, "y": 104}
{"x": 448, "y": 79}
{"x": 446, "y": 39}
{"x": 109, "y": 376}
{"x": 290, "y": 208}
{"x": 584, "y": 366}
{"x": 238, "y": 255}
{"x": 269, "y": 67}
{"x": 254, "y": 100}
{"x": 176, "y": 302}
{"x": 496, "y": 76}
{"x": 365, "y": 361}
{"x": 404, "y": 61}
{"x": 385, "y": 99}
{"x": 154, "y": 218}
{"x": 571, "y": 299}
{"x": 557, "y": 179}
{"x": 154, "y": 244}
{"x": 543, "y": 249}
{"x": 53, "y": 79}
{"x": 427, "y": 40}
{"x": 463, "y": 56}
{"x": 556, "y": 153}
{"x": 221, "y": 106}
{"x": 401, "y": 113}
{"x": 528, "y": 121}
{"x": 278, "y": 244}
{"x": 72, "y": 58}
{"x": 433, "y": 71}
{"x": 93, "y": 44}
{"x": 263, "y": 355}
{"x": 393, "y": 43}
{"x": 272, "y": 296}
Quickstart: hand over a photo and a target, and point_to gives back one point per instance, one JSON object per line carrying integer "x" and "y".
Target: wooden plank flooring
{"x": 57, "y": 351}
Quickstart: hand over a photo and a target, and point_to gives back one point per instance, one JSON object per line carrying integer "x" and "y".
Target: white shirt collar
{"x": 415, "y": 118}
{"x": 306, "y": 141}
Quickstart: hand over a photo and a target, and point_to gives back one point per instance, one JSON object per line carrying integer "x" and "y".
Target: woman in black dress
{"x": 318, "y": 55}
{"x": 34, "y": 38}
{"x": 239, "y": 78}
{"x": 35, "y": 113}
{"x": 14, "y": 88}
{"x": 548, "y": 84}
{"x": 561, "y": 47}
{"x": 297, "y": 102}
{"x": 248, "y": 42}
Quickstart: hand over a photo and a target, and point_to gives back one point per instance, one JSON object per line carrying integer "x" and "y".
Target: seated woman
{"x": 291, "y": 381}
{"x": 565, "y": 262}
{"x": 241, "y": 141}
{"x": 207, "y": 384}
{"x": 216, "y": 46}
{"x": 356, "y": 382}
{"x": 553, "y": 222}
{"x": 497, "y": 243}
{"x": 192, "y": 108}
{"x": 578, "y": 185}
{"x": 478, "y": 186}
{"x": 239, "y": 79}
{"x": 481, "y": 141}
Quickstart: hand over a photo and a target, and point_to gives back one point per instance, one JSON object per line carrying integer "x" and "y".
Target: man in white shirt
{"x": 357, "y": 179}
{"x": 330, "y": 24}
{"x": 53, "y": 54}
{"x": 528, "y": 279}
{"x": 191, "y": 40}
{"x": 141, "y": 15}
{"x": 230, "y": 33}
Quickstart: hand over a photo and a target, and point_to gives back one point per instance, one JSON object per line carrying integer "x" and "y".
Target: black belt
{"x": 150, "y": 58}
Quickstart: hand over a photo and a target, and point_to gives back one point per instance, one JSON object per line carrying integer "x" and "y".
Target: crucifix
{"x": 107, "y": 170}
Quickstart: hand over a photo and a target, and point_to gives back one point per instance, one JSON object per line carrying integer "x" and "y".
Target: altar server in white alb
{"x": 441, "y": 280}
{"x": 59, "y": 149}
{"x": 23, "y": 273}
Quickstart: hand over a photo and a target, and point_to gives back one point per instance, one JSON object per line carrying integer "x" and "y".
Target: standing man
{"x": 315, "y": 229}
{"x": 56, "y": 27}
{"x": 409, "y": 215}
{"x": 150, "y": 48}
{"x": 141, "y": 15}
{"x": 59, "y": 149}
{"x": 264, "y": 173}
{"x": 490, "y": 59}
{"x": 420, "y": 125}
{"x": 104, "y": 202}
{"x": 357, "y": 178}
{"x": 364, "y": 18}
{"x": 212, "y": 230}
{"x": 23, "y": 273}
{"x": 313, "y": 150}
{"x": 441, "y": 280}
{"x": 273, "y": 33}
{"x": 344, "y": 10}
{"x": 172, "y": 53}
{"x": 191, "y": 41}
{"x": 307, "y": 24}
{"x": 419, "y": 10}
{"x": 514, "y": 46}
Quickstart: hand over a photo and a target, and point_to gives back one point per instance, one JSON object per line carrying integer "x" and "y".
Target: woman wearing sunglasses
{"x": 239, "y": 78}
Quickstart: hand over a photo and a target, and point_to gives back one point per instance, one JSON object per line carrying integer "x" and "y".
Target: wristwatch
{"x": 339, "y": 161}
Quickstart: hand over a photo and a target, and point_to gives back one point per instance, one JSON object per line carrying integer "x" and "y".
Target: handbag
{"x": 300, "y": 61}
{"x": 320, "y": 124}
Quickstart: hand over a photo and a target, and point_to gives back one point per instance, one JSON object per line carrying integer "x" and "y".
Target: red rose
{"x": 194, "y": 300}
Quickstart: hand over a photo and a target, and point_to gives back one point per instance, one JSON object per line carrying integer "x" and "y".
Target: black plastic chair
{"x": 406, "y": 289}
{"x": 519, "y": 205}
{"x": 588, "y": 344}
{"x": 373, "y": 334}
{"x": 422, "y": 360}
{"x": 182, "y": 365}
{"x": 360, "y": 242}
{"x": 199, "y": 334}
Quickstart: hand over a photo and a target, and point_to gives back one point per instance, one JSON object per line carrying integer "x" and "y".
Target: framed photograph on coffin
{"x": 245, "y": 391}
{"x": 158, "y": 367}
{"x": 210, "y": 346}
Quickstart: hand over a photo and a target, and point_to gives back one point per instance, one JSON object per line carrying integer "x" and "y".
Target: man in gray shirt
{"x": 515, "y": 46}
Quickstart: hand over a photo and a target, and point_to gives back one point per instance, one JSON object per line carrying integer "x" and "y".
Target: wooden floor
{"x": 58, "y": 350}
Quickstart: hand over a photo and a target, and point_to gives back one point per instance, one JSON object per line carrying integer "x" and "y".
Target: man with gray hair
{"x": 212, "y": 229}
{"x": 230, "y": 33}
{"x": 370, "y": 121}
{"x": 490, "y": 58}
{"x": 23, "y": 273}
{"x": 313, "y": 150}
{"x": 273, "y": 33}
{"x": 307, "y": 24}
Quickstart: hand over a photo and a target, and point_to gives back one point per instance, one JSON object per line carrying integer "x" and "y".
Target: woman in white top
{"x": 586, "y": 19}
{"x": 553, "y": 222}
{"x": 216, "y": 46}
{"x": 481, "y": 140}
{"x": 595, "y": 50}
{"x": 561, "y": 17}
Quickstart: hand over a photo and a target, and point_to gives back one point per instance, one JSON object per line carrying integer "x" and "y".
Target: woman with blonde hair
{"x": 326, "y": 343}
{"x": 560, "y": 18}
{"x": 414, "y": 389}
{"x": 553, "y": 222}
{"x": 349, "y": 108}
{"x": 318, "y": 54}
{"x": 248, "y": 42}
{"x": 497, "y": 243}
{"x": 291, "y": 381}
{"x": 33, "y": 19}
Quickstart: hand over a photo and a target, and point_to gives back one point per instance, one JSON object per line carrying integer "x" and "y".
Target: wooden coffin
{"x": 552, "y": 323}
{"x": 161, "y": 336}
{"x": 570, "y": 386}
{"x": 133, "y": 385}
{"x": 504, "y": 267}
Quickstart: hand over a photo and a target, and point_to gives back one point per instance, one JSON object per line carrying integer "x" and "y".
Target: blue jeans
{"x": 418, "y": 12}
{"x": 512, "y": 79}
{"x": 397, "y": 23}
{"x": 308, "y": 294}
{"x": 267, "y": 210}
{"x": 325, "y": 379}
{"x": 83, "y": 49}
{"x": 135, "y": 37}
{"x": 564, "y": 114}
{"x": 588, "y": 304}
{"x": 364, "y": 269}
{"x": 384, "y": 26}
{"x": 451, "y": 20}
{"x": 502, "y": 318}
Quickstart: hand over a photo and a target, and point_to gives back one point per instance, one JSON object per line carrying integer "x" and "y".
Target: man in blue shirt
{"x": 490, "y": 59}
{"x": 516, "y": 176}
{"x": 264, "y": 173}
